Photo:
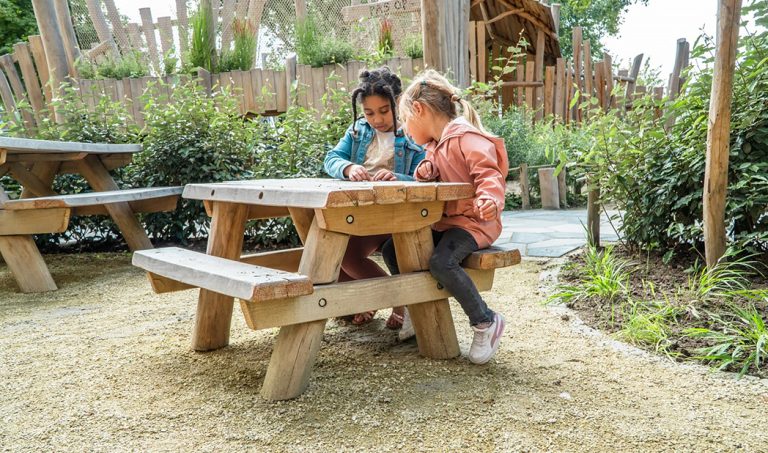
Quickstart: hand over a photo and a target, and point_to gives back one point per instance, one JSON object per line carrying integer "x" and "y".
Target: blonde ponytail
{"x": 435, "y": 91}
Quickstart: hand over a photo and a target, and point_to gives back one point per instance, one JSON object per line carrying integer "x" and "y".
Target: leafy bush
{"x": 655, "y": 176}
{"x": 386, "y": 45}
{"x": 109, "y": 122}
{"x": 192, "y": 138}
{"x": 514, "y": 126}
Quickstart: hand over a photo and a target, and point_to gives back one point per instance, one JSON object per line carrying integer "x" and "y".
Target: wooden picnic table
{"x": 295, "y": 289}
{"x": 34, "y": 164}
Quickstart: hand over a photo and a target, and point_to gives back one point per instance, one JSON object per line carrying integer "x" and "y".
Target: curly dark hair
{"x": 381, "y": 82}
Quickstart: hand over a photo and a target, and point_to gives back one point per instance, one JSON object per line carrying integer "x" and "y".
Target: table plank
{"x": 90, "y": 198}
{"x": 326, "y": 193}
{"x": 27, "y": 145}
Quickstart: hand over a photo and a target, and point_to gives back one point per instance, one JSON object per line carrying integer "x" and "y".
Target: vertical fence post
{"x": 593, "y": 211}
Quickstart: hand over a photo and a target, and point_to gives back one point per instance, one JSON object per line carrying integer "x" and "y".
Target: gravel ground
{"x": 103, "y": 364}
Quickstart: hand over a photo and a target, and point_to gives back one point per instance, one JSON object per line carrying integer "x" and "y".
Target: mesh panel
{"x": 276, "y": 28}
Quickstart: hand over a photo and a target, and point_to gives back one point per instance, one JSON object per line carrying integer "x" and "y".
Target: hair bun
{"x": 364, "y": 74}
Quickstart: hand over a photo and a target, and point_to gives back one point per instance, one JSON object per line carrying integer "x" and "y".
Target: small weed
{"x": 605, "y": 276}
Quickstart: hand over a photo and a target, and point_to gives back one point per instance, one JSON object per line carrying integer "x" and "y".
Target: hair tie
{"x": 423, "y": 83}
{"x": 455, "y": 98}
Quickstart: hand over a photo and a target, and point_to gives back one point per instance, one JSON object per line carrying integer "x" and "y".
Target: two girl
{"x": 373, "y": 149}
{"x": 458, "y": 149}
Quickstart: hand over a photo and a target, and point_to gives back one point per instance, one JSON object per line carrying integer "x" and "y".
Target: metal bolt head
{"x": 322, "y": 302}
{"x": 424, "y": 212}
{"x": 350, "y": 219}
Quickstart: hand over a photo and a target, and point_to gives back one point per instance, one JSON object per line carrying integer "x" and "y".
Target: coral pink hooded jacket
{"x": 464, "y": 154}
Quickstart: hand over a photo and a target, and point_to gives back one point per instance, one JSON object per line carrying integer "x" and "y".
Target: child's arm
{"x": 339, "y": 157}
{"x": 487, "y": 176}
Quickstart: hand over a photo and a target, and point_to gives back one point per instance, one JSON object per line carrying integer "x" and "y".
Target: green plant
{"x": 729, "y": 276}
{"x": 386, "y": 45}
{"x": 414, "y": 46}
{"x": 192, "y": 138}
{"x": 514, "y": 126}
{"x": 738, "y": 339}
{"x": 202, "y": 47}
{"x": 244, "y": 52}
{"x": 604, "y": 276}
{"x": 316, "y": 49}
{"x": 649, "y": 323}
{"x": 129, "y": 65}
{"x": 654, "y": 174}
{"x": 512, "y": 201}
{"x": 170, "y": 62}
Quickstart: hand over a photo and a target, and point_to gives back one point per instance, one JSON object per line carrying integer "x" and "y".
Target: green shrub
{"x": 127, "y": 66}
{"x": 193, "y": 138}
{"x": 656, "y": 177}
{"x": 386, "y": 46}
{"x": 514, "y": 126}
{"x": 109, "y": 122}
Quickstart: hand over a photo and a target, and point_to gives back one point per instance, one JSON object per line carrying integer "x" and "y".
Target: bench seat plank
{"x": 494, "y": 257}
{"x": 91, "y": 198}
{"x": 223, "y": 276}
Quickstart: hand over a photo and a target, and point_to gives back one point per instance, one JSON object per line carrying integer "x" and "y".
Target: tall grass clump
{"x": 203, "y": 45}
{"x": 242, "y": 56}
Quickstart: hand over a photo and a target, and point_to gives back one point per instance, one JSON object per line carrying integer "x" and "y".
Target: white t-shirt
{"x": 381, "y": 153}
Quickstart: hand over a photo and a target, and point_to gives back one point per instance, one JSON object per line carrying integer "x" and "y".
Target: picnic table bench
{"x": 35, "y": 164}
{"x": 296, "y": 289}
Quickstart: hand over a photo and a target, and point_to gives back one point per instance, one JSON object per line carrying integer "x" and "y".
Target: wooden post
{"x": 100, "y": 24}
{"x": 446, "y": 38}
{"x": 550, "y": 193}
{"x": 673, "y": 88}
{"x": 148, "y": 26}
{"x": 577, "y": 41}
{"x": 539, "y": 70}
{"x": 718, "y": 133}
{"x": 67, "y": 34}
{"x": 562, "y": 188}
{"x": 525, "y": 189}
{"x": 556, "y": 16}
{"x": 593, "y": 212}
{"x": 117, "y": 26}
{"x": 53, "y": 43}
{"x": 182, "y": 25}
{"x": 301, "y": 9}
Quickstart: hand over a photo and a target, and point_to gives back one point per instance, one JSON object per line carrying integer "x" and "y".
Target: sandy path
{"x": 104, "y": 364}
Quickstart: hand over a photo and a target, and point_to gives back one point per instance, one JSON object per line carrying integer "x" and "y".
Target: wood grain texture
{"x": 221, "y": 275}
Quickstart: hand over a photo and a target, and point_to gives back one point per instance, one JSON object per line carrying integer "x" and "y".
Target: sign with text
{"x": 380, "y": 9}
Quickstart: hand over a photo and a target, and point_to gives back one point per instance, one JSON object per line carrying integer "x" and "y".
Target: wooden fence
{"x": 549, "y": 91}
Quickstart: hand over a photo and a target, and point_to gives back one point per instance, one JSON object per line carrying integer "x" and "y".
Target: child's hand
{"x": 486, "y": 209}
{"x": 384, "y": 175}
{"x": 424, "y": 171}
{"x": 357, "y": 173}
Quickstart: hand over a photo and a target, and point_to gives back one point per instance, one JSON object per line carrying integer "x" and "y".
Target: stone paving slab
{"x": 551, "y": 234}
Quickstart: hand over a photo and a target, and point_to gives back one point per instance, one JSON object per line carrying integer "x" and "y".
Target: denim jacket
{"x": 352, "y": 147}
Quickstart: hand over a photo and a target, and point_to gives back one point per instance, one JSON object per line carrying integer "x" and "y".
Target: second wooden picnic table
{"x": 326, "y": 213}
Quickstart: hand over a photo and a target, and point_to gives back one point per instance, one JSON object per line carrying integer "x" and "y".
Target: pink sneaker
{"x": 486, "y": 341}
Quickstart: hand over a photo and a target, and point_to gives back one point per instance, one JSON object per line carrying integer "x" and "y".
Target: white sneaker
{"x": 406, "y": 331}
{"x": 486, "y": 341}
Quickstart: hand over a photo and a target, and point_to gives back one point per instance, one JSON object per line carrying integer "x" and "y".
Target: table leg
{"x": 214, "y": 311}
{"x": 432, "y": 321}
{"x": 26, "y": 264}
{"x": 100, "y": 180}
{"x": 43, "y": 172}
{"x": 297, "y": 345}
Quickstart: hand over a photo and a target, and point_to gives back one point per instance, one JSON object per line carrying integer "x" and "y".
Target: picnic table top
{"x": 14, "y": 145}
{"x": 326, "y": 193}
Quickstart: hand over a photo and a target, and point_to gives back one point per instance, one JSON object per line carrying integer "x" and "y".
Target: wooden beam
{"x": 341, "y": 299}
{"x": 68, "y": 34}
{"x": 718, "y": 132}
